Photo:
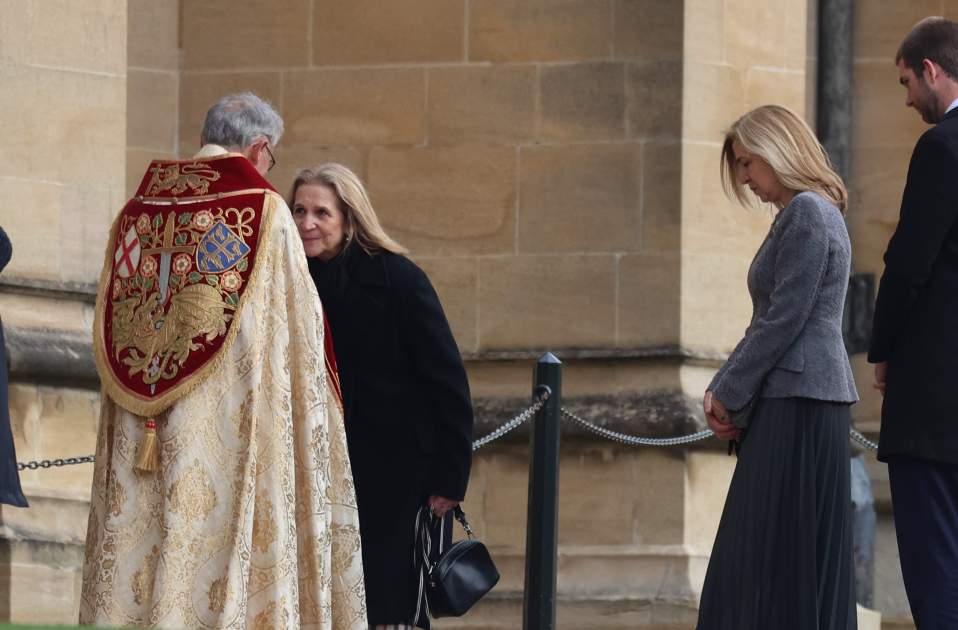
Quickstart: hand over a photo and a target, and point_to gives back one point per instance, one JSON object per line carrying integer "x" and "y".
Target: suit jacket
{"x": 798, "y": 279}
{"x": 916, "y": 314}
{"x": 407, "y": 405}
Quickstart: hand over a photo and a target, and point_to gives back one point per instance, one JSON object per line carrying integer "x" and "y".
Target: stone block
{"x": 444, "y": 201}
{"x": 67, "y": 427}
{"x": 85, "y": 218}
{"x": 153, "y": 34}
{"x": 713, "y": 97}
{"x": 24, "y": 408}
{"x": 506, "y": 497}
{"x": 661, "y": 197}
{"x": 711, "y": 222}
{"x": 539, "y": 30}
{"x": 801, "y": 28}
{"x": 456, "y": 280}
{"x": 501, "y": 379}
{"x": 221, "y": 34}
{"x": 716, "y": 307}
{"x": 659, "y": 497}
{"x": 489, "y": 104}
{"x": 555, "y": 302}
{"x": 54, "y": 518}
{"x": 648, "y": 300}
{"x": 137, "y": 161}
{"x": 704, "y": 31}
{"x": 879, "y": 114}
{"x": 597, "y": 487}
{"x": 37, "y": 594}
{"x": 151, "y": 110}
{"x": 77, "y": 36}
{"x": 648, "y": 29}
{"x": 355, "y": 107}
{"x": 653, "y": 91}
{"x": 63, "y": 118}
{"x": 400, "y": 31}
{"x": 755, "y": 33}
{"x": 708, "y": 475}
{"x": 764, "y": 86}
{"x": 74, "y": 220}
{"x": 35, "y": 253}
{"x": 881, "y": 25}
{"x": 875, "y": 190}
{"x": 291, "y": 158}
{"x": 582, "y": 101}
{"x": 30, "y": 313}
{"x": 579, "y": 198}
{"x": 198, "y": 92}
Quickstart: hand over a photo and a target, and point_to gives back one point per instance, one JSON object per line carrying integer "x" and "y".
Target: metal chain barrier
{"x": 514, "y": 423}
{"x": 861, "y": 439}
{"x": 633, "y": 440}
{"x": 522, "y": 418}
{"x": 55, "y": 463}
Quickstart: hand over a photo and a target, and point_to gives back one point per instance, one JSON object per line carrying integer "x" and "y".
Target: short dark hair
{"x": 935, "y": 39}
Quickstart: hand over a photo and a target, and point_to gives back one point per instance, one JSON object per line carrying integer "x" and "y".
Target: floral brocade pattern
{"x": 251, "y": 519}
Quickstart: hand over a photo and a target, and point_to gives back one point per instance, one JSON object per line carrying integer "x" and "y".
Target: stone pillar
{"x": 63, "y": 67}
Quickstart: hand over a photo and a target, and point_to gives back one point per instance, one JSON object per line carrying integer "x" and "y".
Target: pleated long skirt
{"x": 782, "y": 556}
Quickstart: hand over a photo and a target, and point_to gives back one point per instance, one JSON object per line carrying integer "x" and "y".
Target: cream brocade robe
{"x": 251, "y": 520}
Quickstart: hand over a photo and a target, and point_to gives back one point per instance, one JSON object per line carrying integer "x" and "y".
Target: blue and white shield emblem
{"x": 220, "y": 249}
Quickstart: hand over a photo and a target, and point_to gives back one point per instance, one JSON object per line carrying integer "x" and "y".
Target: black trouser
{"x": 925, "y": 501}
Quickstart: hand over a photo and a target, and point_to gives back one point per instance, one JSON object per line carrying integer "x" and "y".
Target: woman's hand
{"x": 717, "y": 418}
{"x": 441, "y": 505}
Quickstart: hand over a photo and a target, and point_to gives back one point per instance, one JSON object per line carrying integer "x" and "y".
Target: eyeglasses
{"x": 272, "y": 160}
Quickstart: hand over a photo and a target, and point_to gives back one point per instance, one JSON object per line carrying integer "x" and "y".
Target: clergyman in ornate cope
{"x": 210, "y": 344}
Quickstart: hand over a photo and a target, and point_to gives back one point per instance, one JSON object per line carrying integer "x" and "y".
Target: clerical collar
{"x": 210, "y": 150}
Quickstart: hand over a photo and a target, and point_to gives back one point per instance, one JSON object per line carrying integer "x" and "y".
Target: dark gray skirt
{"x": 783, "y": 552}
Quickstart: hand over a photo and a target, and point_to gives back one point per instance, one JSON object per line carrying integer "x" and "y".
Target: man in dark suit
{"x": 915, "y": 338}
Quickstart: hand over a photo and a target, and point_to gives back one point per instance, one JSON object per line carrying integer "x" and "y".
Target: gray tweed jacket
{"x": 793, "y": 345}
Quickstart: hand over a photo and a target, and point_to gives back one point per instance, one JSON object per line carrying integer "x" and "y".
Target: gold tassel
{"x": 148, "y": 455}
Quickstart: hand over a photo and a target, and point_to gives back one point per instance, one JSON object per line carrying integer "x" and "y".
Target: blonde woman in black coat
{"x": 407, "y": 404}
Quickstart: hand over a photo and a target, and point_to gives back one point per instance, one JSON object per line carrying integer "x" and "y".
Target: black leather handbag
{"x": 451, "y": 580}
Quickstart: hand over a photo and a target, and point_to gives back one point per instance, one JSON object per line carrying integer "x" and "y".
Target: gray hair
{"x": 237, "y": 120}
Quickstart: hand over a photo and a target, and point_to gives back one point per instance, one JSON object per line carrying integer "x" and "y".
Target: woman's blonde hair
{"x": 786, "y": 142}
{"x": 360, "y": 223}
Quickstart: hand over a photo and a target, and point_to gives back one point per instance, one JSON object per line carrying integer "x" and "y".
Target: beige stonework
{"x": 365, "y": 106}
{"x": 552, "y": 165}
{"x": 400, "y": 31}
{"x": 539, "y": 30}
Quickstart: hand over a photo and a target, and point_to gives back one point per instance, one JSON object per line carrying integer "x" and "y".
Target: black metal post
{"x": 542, "y": 524}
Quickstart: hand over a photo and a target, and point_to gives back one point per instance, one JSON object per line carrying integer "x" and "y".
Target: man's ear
{"x": 931, "y": 71}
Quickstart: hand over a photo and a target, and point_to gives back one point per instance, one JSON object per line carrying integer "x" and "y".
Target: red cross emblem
{"x": 127, "y": 255}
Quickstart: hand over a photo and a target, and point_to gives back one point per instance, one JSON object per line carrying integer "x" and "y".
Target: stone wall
{"x": 63, "y": 71}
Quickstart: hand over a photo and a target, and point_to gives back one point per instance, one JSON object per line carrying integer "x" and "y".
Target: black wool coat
{"x": 916, "y": 314}
{"x": 10, "y": 492}
{"x": 408, "y": 410}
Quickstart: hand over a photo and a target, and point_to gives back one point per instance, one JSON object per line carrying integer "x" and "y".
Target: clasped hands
{"x": 440, "y": 505}
{"x": 716, "y": 415}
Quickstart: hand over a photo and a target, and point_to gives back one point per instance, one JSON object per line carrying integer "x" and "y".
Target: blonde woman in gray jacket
{"x": 782, "y": 557}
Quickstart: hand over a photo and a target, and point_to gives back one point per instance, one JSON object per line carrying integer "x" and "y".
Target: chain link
{"x": 55, "y": 463}
{"x": 633, "y": 440}
{"x": 861, "y": 439}
{"x": 522, "y": 418}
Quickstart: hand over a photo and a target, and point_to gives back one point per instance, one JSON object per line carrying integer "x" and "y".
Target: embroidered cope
{"x": 207, "y": 320}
